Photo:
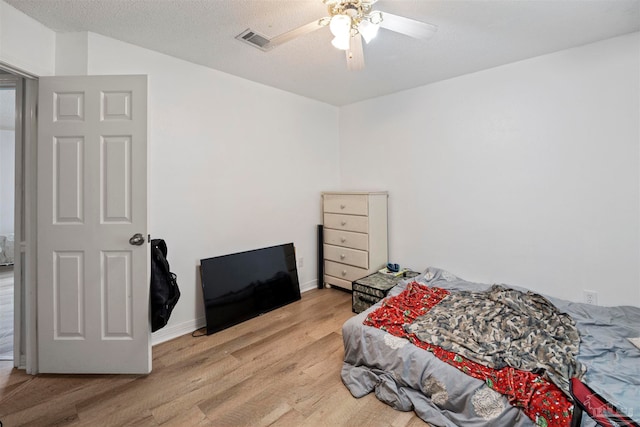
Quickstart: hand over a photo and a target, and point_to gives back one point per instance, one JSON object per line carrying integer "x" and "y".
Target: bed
{"x": 396, "y": 359}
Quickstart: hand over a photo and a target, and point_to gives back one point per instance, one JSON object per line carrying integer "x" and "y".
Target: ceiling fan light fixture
{"x": 350, "y": 22}
{"x": 368, "y": 30}
{"x": 341, "y": 43}
{"x": 375, "y": 17}
{"x": 340, "y": 26}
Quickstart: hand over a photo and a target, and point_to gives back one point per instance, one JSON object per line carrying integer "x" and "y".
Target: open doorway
{"x": 18, "y": 99}
{"x": 7, "y": 210}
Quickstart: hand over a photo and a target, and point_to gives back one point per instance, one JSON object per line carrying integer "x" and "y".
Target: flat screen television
{"x": 240, "y": 286}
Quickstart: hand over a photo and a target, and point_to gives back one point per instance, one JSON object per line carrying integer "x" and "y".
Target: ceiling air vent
{"x": 254, "y": 39}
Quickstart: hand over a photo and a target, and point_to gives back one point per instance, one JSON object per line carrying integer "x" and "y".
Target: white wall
{"x": 25, "y": 44}
{"x": 525, "y": 174}
{"x": 234, "y": 165}
{"x": 72, "y": 52}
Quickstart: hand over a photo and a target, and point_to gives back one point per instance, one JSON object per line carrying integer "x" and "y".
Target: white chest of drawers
{"x": 354, "y": 237}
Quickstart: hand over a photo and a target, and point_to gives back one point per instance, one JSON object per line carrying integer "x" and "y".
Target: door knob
{"x": 137, "y": 239}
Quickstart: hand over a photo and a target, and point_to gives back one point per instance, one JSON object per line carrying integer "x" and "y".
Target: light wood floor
{"x": 282, "y": 368}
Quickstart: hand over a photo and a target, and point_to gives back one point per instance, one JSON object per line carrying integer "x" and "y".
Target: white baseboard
{"x": 174, "y": 331}
{"x": 313, "y": 284}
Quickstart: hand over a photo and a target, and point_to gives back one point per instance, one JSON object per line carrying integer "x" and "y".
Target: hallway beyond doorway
{"x": 6, "y": 313}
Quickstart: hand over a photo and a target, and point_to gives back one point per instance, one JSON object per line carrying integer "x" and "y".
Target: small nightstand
{"x": 374, "y": 287}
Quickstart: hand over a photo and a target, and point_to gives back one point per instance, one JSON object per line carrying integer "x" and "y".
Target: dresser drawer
{"x": 334, "y": 281}
{"x": 343, "y": 271}
{"x": 347, "y": 239}
{"x": 350, "y": 204}
{"x": 356, "y": 223}
{"x": 353, "y": 257}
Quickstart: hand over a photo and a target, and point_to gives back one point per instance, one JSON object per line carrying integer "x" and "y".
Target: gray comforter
{"x": 409, "y": 378}
{"x": 503, "y": 327}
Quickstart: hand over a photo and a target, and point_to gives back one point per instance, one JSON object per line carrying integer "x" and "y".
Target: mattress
{"x": 409, "y": 378}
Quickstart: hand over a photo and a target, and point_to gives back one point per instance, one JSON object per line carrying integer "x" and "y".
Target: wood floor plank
{"x": 281, "y": 369}
{"x": 209, "y": 382}
{"x": 191, "y": 416}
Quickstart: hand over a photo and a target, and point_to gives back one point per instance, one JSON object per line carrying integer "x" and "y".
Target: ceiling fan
{"x": 350, "y": 21}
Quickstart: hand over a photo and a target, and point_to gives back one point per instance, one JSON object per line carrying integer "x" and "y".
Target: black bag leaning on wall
{"x": 164, "y": 292}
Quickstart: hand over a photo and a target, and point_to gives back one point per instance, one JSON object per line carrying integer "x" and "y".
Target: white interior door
{"x": 93, "y": 284}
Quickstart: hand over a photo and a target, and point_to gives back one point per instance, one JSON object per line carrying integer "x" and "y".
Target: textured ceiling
{"x": 472, "y": 35}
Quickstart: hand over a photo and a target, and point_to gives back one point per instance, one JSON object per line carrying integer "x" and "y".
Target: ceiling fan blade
{"x": 292, "y": 34}
{"x": 407, "y": 26}
{"x": 355, "y": 54}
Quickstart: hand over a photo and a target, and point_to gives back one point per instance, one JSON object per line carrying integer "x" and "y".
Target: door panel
{"x": 68, "y": 167}
{"x": 115, "y": 200}
{"x": 68, "y": 295}
{"x": 116, "y": 287}
{"x": 93, "y": 286}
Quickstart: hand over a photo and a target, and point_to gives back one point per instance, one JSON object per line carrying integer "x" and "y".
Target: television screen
{"x": 243, "y": 285}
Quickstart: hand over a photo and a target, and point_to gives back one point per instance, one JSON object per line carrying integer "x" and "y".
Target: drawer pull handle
{"x": 343, "y": 240}
{"x": 344, "y": 272}
{"x": 342, "y": 256}
{"x": 343, "y": 206}
{"x": 344, "y": 222}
